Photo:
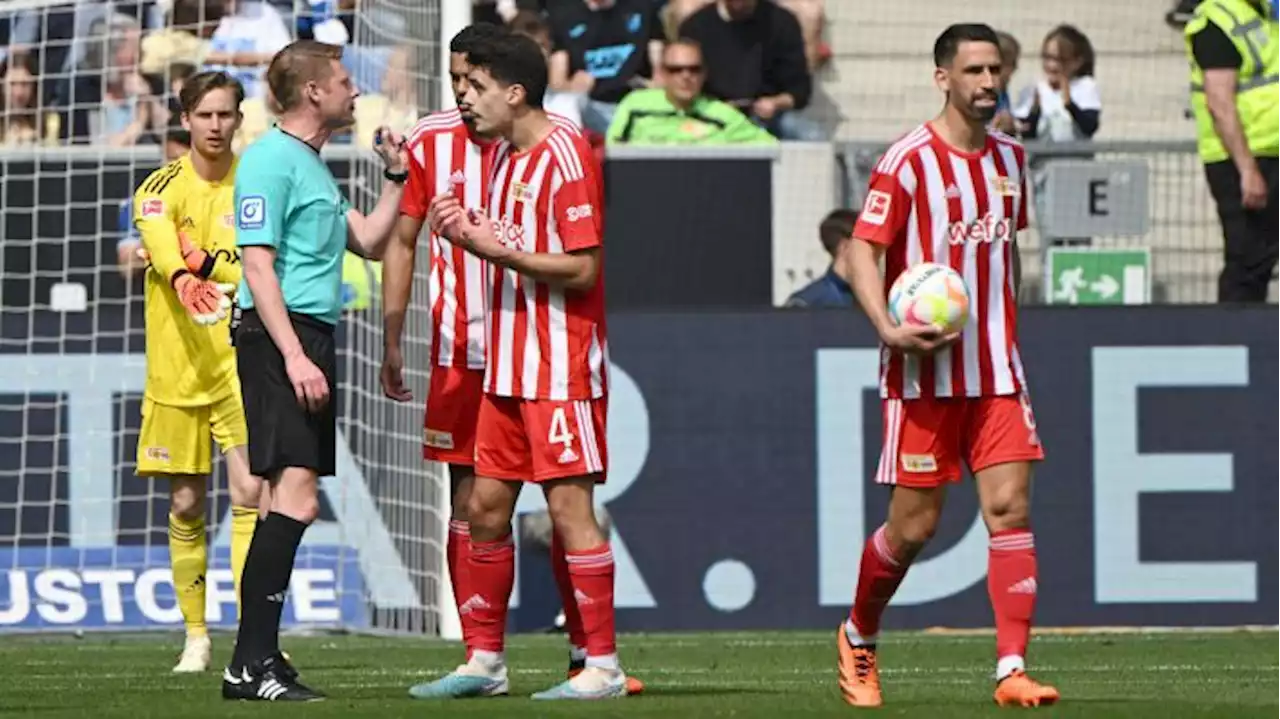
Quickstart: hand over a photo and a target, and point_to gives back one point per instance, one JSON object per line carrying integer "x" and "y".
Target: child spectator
{"x": 1065, "y": 105}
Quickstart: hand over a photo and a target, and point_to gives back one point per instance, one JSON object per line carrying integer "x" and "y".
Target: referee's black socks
{"x": 264, "y": 586}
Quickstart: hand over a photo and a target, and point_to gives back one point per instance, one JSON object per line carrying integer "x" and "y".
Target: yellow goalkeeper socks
{"x": 190, "y": 560}
{"x": 243, "y": 522}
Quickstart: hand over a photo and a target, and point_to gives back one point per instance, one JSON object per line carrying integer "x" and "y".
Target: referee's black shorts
{"x": 282, "y": 433}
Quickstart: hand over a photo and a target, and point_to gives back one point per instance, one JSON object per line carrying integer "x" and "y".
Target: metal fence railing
{"x": 1183, "y": 235}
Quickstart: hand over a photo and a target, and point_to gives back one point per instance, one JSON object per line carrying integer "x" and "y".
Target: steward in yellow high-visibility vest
{"x": 1235, "y": 95}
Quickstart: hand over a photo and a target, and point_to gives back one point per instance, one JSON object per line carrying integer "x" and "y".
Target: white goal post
{"x": 82, "y": 540}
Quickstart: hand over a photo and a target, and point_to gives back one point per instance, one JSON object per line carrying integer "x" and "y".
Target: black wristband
{"x": 173, "y": 279}
{"x": 206, "y": 268}
{"x": 397, "y": 177}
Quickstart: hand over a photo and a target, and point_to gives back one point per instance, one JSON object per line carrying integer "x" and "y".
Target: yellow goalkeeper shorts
{"x": 175, "y": 440}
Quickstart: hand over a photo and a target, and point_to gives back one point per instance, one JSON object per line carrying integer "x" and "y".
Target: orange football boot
{"x": 1020, "y": 690}
{"x": 634, "y": 686}
{"x": 859, "y": 675}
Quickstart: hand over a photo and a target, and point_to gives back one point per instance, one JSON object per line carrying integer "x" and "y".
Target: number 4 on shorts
{"x": 559, "y": 434}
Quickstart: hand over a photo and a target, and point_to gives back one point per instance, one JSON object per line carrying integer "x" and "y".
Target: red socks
{"x": 564, "y": 584}
{"x": 458, "y": 556}
{"x": 492, "y": 573}
{"x": 878, "y": 578}
{"x": 591, "y": 577}
{"x": 1011, "y": 582}
{"x": 584, "y": 579}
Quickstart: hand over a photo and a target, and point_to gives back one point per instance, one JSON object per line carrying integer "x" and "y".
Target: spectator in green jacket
{"x": 678, "y": 113}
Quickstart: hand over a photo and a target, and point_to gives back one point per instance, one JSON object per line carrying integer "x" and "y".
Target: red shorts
{"x": 541, "y": 439}
{"x": 453, "y": 407}
{"x": 927, "y": 441}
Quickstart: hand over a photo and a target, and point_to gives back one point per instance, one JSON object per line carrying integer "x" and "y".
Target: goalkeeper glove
{"x": 206, "y": 302}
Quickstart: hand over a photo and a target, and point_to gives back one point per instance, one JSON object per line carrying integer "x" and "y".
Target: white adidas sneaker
{"x": 196, "y": 655}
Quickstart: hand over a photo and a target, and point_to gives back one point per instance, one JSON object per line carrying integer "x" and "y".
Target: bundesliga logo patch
{"x": 152, "y": 208}
{"x": 876, "y": 209}
{"x": 252, "y": 213}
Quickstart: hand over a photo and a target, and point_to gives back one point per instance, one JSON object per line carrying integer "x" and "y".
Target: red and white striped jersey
{"x": 444, "y": 157}
{"x": 930, "y": 202}
{"x": 546, "y": 342}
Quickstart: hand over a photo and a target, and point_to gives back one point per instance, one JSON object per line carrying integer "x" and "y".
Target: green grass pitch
{"x": 765, "y": 674}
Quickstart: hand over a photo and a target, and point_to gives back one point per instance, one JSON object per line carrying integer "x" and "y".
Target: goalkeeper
{"x": 184, "y": 214}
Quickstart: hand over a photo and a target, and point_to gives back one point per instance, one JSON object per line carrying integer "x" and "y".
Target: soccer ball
{"x": 930, "y": 294}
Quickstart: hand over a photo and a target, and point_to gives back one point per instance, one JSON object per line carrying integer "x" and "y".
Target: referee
{"x": 293, "y": 226}
{"x": 1236, "y": 101}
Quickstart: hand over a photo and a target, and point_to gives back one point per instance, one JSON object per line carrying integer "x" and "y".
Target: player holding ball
{"x": 950, "y": 193}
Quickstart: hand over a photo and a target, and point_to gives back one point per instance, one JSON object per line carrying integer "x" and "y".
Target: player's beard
{"x": 978, "y": 113}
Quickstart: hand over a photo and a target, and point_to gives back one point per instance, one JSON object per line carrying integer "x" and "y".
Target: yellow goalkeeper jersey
{"x": 187, "y": 365}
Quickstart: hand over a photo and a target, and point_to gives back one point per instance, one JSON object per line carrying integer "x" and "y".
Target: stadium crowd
{"x": 108, "y": 73}
{"x": 640, "y": 72}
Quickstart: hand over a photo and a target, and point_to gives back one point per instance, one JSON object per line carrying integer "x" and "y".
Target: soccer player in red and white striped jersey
{"x": 953, "y": 193}
{"x": 542, "y": 418}
{"x": 445, "y": 155}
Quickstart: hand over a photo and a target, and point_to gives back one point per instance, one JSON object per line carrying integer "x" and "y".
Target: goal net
{"x": 83, "y": 542}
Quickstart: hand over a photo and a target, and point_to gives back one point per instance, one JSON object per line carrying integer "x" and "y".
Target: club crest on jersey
{"x": 1005, "y": 187}
{"x": 152, "y": 208}
{"x": 876, "y": 209}
{"x": 522, "y": 192}
{"x": 252, "y": 212}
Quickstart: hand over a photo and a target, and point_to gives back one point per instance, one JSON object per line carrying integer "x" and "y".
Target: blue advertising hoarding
{"x": 742, "y": 446}
{"x": 131, "y": 587}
